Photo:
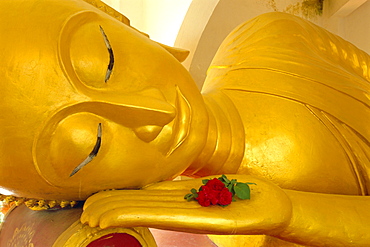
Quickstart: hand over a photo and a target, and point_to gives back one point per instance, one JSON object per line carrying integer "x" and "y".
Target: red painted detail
{"x": 115, "y": 240}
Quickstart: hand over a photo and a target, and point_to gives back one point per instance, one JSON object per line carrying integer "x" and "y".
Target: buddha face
{"x": 88, "y": 103}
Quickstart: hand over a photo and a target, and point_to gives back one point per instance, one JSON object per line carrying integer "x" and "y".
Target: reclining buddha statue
{"x": 93, "y": 110}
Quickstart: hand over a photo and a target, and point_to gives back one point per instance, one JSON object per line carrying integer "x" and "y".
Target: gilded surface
{"x": 285, "y": 105}
{"x": 60, "y": 97}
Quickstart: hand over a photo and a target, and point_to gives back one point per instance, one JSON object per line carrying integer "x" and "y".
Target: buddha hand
{"x": 163, "y": 206}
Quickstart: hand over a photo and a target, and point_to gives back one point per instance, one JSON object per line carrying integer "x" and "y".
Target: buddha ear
{"x": 178, "y": 53}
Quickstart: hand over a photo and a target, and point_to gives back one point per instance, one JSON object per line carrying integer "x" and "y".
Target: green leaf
{"x": 189, "y": 197}
{"x": 242, "y": 191}
{"x": 224, "y": 178}
{"x": 205, "y": 181}
{"x": 230, "y": 187}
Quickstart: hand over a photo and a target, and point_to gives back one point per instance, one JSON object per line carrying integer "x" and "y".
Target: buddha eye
{"x": 88, "y": 55}
{"x": 93, "y": 153}
{"x": 111, "y": 56}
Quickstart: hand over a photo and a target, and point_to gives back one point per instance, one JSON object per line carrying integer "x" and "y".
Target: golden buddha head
{"x": 79, "y": 84}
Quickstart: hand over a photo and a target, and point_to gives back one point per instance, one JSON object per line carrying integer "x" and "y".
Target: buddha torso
{"x": 303, "y": 103}
{"x": 304, "y": 113}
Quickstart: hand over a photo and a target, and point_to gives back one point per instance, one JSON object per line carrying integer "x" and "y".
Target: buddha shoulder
{"x": 295, "y": 91}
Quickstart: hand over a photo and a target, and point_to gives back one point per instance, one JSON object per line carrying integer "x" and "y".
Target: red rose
{"x": 214, "y": 192}
{"x": 207, "y": 196}
{"x": 213, "y": 195}
{"x": 225, "y": 197}
{"x": 215, "y": 184}
{"x": 219, "y": 191}
{"x": 203, "y": 197}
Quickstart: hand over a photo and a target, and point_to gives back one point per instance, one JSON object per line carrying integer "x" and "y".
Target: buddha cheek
{"x": 128, "y": 162}
{"x": 64, "y": 144}
{"x": 123, "y": 160}
{"x": 72, "y": 142}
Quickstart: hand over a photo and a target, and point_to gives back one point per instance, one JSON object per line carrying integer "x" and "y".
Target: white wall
{"x": 349, "y": 19}
{"x": 161, "y": 19}
{"x": 357, "y": 27}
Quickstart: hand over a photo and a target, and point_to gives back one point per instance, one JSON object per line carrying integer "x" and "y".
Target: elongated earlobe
{"x": 178, "y": 53}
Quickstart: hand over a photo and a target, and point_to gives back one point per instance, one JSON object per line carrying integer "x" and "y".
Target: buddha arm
{"x": 328, "y": 220}
{"x": 298, "y": 217}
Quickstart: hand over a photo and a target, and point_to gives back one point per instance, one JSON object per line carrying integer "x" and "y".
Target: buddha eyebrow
{"x": 111, "y": 56}
{"x": 93, "y": 153}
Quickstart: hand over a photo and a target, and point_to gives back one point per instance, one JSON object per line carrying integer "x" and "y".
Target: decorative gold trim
{"x": 38, "y": 204}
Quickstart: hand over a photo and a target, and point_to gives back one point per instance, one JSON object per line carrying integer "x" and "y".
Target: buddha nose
{"x": 145, "y": 112}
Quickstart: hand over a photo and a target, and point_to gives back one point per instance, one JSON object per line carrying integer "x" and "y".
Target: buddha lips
{"x": 219, "y": 191}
